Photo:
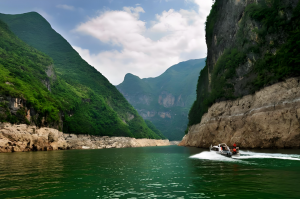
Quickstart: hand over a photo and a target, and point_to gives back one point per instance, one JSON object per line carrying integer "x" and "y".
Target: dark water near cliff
{"x": 152, "y": 172}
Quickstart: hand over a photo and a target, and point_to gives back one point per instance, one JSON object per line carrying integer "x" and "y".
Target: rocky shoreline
{"x": 268, "y": 119}
{"x": 21, "y": 138}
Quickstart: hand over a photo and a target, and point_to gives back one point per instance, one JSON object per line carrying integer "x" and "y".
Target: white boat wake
{"x": 253, "y": 155}
{"x": 211, "y": 155}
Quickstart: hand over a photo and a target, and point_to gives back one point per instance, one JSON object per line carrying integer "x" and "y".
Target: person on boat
{"x": 234, "y": 149}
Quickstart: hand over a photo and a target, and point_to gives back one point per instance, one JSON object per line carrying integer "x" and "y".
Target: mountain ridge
{"x": 91, "y": 104}
{"x": 166, "y": 99}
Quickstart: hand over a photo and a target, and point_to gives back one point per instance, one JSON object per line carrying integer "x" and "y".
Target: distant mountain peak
{"x": 165, "y": 99}
{"x": 131, "y": 76}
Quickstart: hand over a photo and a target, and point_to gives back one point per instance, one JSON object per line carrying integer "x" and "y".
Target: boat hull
{"x": 229, "y": 154}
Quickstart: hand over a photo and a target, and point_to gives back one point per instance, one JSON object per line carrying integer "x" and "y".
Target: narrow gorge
{"x": 165, "y": 100}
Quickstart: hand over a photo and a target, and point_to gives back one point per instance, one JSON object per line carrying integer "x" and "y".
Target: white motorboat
{"x": 224, "y": 150}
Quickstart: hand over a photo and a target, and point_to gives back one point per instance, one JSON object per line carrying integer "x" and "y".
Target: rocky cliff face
{"x": 51, "y": 77}
{"x": 17, "y": 138}
{"x": 251, "y": 45}
{"x": 19, "y": 110}
{"x": 21, "y": 138}
{"x": 268, "y": 119}
{"x": 236, "y": 28}
{"x": 248, "y": 91}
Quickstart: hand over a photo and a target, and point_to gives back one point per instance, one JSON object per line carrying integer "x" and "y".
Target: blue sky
{"x": 142, "y": 37}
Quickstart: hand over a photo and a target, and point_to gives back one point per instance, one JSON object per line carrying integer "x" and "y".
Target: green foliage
{"x": 224, "y": 70}
{"x": 221, "y": 89}
{"x": 283, "y": 63}
{"x": 22, "y": 70}
{"x": 211, "y": 21}
{"x": 200, "y": 106}
{"x": 91, "y": 105}
{"x": 270, "y": 15}
{"x": 154, "y": 129}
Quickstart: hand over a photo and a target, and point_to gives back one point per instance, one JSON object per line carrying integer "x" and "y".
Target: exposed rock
{"x": 51, "y": 77}
{"x": 29, "y": 138}
{"x": 8, "y": 83}
{"x": 174, "y": 142}
{"x": 147, "y": 114}
{"x": 166, "y": 99}
{"x": 23, "y": 137}
{"x": 12, "y": 105}
{"x": 50, "y": 72}
{"x": 164, "y": 114}
{"x": 268, "y": 119}
{"x": 129, "y": 116}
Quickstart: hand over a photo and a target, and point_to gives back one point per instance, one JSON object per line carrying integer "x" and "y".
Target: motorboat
{"x": 224, "y": 150}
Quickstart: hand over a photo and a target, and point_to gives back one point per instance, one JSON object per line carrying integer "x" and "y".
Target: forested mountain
{"x": 165, "y": 100}
{"x": 41, "y": 68}
{"x": 251, "y": 45}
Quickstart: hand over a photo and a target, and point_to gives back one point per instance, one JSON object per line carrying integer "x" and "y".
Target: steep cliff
{"x": 252, "y": 44}
{"x": 268, "y": 119}
{"x": 51, "y": 84}
{"x": 165, "y": 100}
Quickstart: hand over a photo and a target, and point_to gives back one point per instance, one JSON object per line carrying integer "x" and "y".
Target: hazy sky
{"x": 142, "y": 37}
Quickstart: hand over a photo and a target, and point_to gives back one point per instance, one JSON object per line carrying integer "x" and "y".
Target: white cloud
{"x": 181, "y": 37}
{"x": 66, "y": 7}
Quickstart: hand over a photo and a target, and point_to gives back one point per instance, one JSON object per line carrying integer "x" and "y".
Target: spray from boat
{"x": 244, "y": 155}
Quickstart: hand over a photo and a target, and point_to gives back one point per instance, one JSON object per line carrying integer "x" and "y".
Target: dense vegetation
{"x": 180, "y": 81}
{"x": 22, "y": 70}
{"x": 154, "y": 129}
{"x": 89, "y": 103}
{"x": 277, "y": 53}
{"x": 285, "y": 62}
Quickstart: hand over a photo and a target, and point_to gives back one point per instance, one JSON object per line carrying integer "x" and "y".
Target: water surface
{"x": 150, "y": 172}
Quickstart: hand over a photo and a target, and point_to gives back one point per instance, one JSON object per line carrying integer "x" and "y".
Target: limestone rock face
{"x": 21, "y": 138}
{"x": 268, "y": 119}
{"x": 29, "y": 138}
{"x": 166, "y": 99}
{"x": 95, "y": 142}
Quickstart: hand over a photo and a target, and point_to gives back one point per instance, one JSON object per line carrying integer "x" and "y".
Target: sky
{"x": 142, "y": 37}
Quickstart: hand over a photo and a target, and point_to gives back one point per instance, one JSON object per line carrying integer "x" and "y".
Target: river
{"x": 150, "y": 172}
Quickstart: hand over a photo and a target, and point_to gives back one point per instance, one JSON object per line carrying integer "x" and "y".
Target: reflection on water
{"x": 151, "y": 172}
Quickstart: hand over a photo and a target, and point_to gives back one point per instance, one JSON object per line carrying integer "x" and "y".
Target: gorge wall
{"x": 248, "y": 92}
{"x": 21, "y": 138}
{"x": 268, "y": 119}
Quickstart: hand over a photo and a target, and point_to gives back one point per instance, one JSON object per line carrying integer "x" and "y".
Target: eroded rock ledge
{"x": 268, "y": 119}
{"x": 22, "y": 137}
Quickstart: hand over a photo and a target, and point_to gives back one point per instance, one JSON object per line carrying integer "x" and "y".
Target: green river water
{"x": 150, "y": 172}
